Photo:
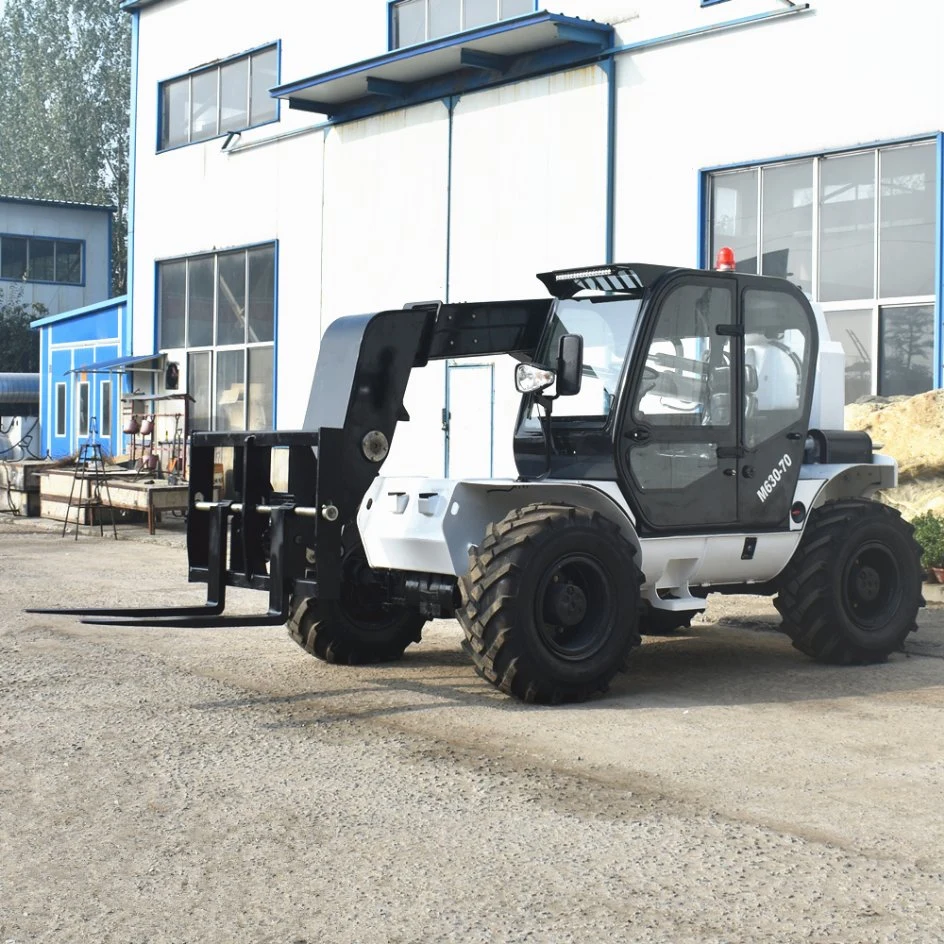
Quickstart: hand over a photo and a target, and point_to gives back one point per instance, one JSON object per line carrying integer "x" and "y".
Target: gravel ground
{"x": 203, "y": 786}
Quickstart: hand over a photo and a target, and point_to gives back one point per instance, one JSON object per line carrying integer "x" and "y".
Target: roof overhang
{"x": 491, "y": 55}
{"x": 121, "y": 365}
{"x": 129, "y": 6}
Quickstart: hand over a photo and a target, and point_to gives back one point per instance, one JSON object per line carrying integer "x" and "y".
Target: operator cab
{"x": 693, "y": 393}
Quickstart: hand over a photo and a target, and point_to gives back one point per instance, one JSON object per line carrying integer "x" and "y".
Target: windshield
{"x": 605, "y": 323}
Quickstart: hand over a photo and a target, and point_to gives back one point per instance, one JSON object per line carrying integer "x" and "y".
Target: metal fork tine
{"x": 202, "y": 610}
{"x": 209, "y": 622}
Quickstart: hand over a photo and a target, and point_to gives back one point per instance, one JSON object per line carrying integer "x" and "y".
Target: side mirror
{"x": 570, "y": 365}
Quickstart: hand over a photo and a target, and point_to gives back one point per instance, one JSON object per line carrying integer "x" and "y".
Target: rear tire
{"x": 851, "y": 592}
{"x": 550, "y": 603}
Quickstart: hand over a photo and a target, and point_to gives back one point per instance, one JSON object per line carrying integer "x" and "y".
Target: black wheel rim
{"x": 872, "y": 586}
{"x": 574, "y": 607}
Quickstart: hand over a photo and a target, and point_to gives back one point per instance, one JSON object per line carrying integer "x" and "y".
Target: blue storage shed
{"x": 82, "y": 356}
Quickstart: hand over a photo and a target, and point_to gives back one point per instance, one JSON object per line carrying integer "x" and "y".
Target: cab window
{"x": 605, "y": 324}
{"x": 687, "y": 374}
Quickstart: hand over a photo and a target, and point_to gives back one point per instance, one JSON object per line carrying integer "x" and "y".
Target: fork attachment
{"x": 244, "y": 532}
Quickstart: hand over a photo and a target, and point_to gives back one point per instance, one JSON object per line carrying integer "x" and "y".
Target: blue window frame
{"x": 229, "y": 96}
{"x": 711, "y": 3}
{"x": 859, "y": 229}
{"x": 221, "y": 309}
{"x": 42, "y": 259}
{"x": 416, "y": 21}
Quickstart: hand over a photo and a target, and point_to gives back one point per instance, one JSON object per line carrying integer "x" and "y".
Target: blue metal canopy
{"x": 491, "y": 55}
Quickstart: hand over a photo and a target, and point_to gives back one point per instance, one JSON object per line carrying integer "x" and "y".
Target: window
{"x": 221, "y": 308}
{"x": 105, "y": 409}
{"x": 230, "y": 96}
{"x": 687, "y": 377}
{"x": 604, "y": 323}
{"x": 82, "y": 407}
{"x": 416, "y": 21}
{"x": 60, "y": 409}
{"x": 907, "y": 344}
{"x": 776, "y": 363}
{"x": 38, "y": 259}
{"x": 856, "y": 231}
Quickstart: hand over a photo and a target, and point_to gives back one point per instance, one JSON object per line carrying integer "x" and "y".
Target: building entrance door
{"x": 469, "y": 414}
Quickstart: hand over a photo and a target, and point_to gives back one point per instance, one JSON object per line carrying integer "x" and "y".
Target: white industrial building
{"x": 295, "y": 161}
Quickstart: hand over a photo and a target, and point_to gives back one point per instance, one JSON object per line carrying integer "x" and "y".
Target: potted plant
{"x": 929, "y": 533}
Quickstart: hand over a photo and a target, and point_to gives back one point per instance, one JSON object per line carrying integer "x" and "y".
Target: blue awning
{"x": 502, "y": 52}
{"x": 118, "y": 365}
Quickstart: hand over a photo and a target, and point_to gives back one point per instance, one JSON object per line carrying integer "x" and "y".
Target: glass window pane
{"x": 787, "y": 226}
{"x": 260, "y": 388}
{"x": 907, "y": 219}
{"x": 203, "y": 105}
{"x": 234, "y": 95}
{"x": 443, "y": 17}
{"x": 262, "y": 294}
{"x": 175, "y": 113}
{"x": 231, "y": 311}
{"x": 409, "y": 23}
{"x": 198, "y": 386}
{"x": 12, "y": 257}
{"x": 734, "y": 217}
{"x": 230, "y": 402}
{"x": 200, "y": 302}
{"x": 776, "y": 360}
{"x": 853, "y": 330}
{"x": 69, "y": 262}
{"x": 604, "y": 327}
{"x": 82, "y": 408}
{"x": 264, "y": 77}
{"x": 478, "y": 13}
{"x": 42, "y": 260}
{"x": 104, "y": 408}
{"x": 172, "y": 303}
{"x": 688, "y": 377}
{"x": 510, "y": 8}
{"x": 847, "y": 227}
{"x": 906, "y": 346}
{"x": 60, "y": 409}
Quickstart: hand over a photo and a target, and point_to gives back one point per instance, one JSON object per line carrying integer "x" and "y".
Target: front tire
{"x": 550, "y": 603}
{"x": 851, "y": 592}
{"x": 360, "y": 628}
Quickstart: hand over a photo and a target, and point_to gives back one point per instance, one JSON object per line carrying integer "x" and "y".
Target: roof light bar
{"x": 582, "y": 274}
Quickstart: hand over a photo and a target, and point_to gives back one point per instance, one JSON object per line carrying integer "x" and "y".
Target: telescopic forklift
{"x": 680, "y": 432}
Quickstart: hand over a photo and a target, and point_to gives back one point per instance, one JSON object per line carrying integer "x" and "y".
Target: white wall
{"x": 360, "y": 211}
{"x": 528, "y": 195}
{"x": 65, "y": 222}
{"x": 840, "y": 76}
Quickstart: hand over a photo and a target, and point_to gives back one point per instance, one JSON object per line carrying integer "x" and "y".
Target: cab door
{"x": 678, "y": 437}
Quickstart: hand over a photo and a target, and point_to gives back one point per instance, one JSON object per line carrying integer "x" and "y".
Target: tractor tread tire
{"x": 807, "y": 588}
{"x": 492, "y": 609}
{"x": 324, "y": 630}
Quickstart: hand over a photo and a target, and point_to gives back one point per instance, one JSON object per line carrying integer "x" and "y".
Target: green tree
{"x": 19, "y": 343}
{"x": 65, "y": 90}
